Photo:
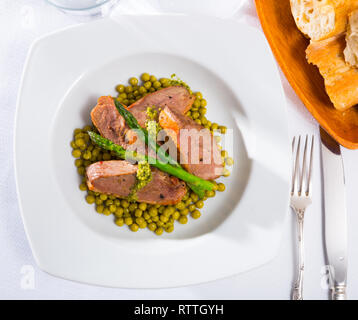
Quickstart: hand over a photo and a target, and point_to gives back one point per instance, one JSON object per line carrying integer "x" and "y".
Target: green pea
{"x": 143, "y": 225}
{"x": 203, "y": 103}
{"x": 76, "y": 153}
{"x": 196, "y": 103}
{"x": 169, "y": 228}
{"x": 142, "y": 206}
{"x": 180, "y": 205}
{"x": 147, "y": 85}
{"x": 223, "y": 129}
{"x": 134, "y": 227}
{"x": 186, "y": 196}
{"x": 221, "y": 187}
{"x": 195, "y": 115}
{"x": 106, "y": 212}
{"x": 124, "y": 203}
{"x": 176, "y": 215}
{"x": 184, "y": 212}
{"x": 155, "y": 218}
{"x": 146, "y": 215}
{"x": 153, "y": 212}
{"x": 128, "y": 90}
{"x": 194, "y": 197}
{"x": 138, "y": 212}
{"x": 210, "y": 193}
{"x": 112, "y": 208}
{"x": 198, "y": 121}
{"x": 157, "y": 84}
{"x": 142, "y": 90}
{"x": 120, "y": 88}
{"x": 80, "y": 142}
{"x": 119, "y": 212}
{"x": 199, "y": 204}
{"x": 128, "y": 221}
{"x": 196, "y": 214}
{"x": 163, "y": 218}
{"x": 90, "y": 199}
{"x": 100, "y": 209}
{"x": 139, "y": 220}
{"x": 152, "y": 226}
{"x": 199, "y": 95}
{"x": 152, "y": 78}
{"x": 159, "y": 231}
{"x": 224, "y": 153}
{"x": 133, "y": 81}
{"x": 81, "y": 171}
{"x": 77, "y": 131}
{"x": 103, "y": 197}
{"x": 73, "y": 145}
{"x": 83, "y": 187}
{"x": 145, "y": 77}
{"x": 183, "y": 219}
{"x": 191, "y": 207}
{"x": 214, "y": 126}
{"x": 132, "y": 207}
{"x": 78, "y": 162}
{"x": 109, "y": 202}
{"x": 203, "y": 120}
{"x": 119, "y": 222}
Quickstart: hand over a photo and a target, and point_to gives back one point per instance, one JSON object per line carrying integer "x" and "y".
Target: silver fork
{"x": 301, "y": 198}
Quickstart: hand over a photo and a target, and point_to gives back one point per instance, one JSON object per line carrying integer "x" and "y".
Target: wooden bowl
{"x": 288, "y": 45}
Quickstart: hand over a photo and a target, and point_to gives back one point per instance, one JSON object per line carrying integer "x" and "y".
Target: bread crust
{"x": 322, "y": 19}
{"x": 341, "y": 80}
{"x": 351, "y": 50}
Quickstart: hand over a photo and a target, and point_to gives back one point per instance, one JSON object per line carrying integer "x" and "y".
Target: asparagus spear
{"x": 166, "y": 167}
{"x": 133, "y": 124}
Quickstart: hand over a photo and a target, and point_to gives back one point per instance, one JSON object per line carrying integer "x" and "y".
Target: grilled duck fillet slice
{"x": 117, "y": 177}
{"x": 111, "y": 124}
{"x": 199, "y": 153}
{"x": 175, "y": 97}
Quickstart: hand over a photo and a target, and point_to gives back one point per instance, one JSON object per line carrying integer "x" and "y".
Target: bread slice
{"x": 351, "y": 50}
{"x": 322, "y": 19}
{"x": 341, "y": 80}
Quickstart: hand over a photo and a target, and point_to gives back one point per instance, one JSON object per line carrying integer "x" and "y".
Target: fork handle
{"x": 297, "y": 292}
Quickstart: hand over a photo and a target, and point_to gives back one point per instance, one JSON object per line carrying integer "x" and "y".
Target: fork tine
{"x": 308, "y": 190}
{"x": 303, "y": 178}
{"x": 296, "y": 167}
{"x": 293, "y": 164}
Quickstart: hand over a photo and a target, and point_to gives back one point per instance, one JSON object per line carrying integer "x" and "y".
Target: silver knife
{"x": 335, "y": 215}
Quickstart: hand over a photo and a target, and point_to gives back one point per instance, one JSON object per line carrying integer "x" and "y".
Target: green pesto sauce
{"x": 144, "y": 176}
{"x": 151, "y": 123}
{"x": 176, "y": 81}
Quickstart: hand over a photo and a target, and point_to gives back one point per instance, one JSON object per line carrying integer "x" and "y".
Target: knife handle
{"x": 339, "y": 293}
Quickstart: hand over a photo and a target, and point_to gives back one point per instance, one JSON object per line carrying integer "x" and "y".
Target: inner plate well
{"x": 74, "y": 112}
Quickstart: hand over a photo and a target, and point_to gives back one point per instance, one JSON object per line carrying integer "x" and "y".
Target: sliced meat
{"x": 117, "y": 177}
{"x": 199, "y": 153}
{"x": 110, "y": 123}
{"x": 175, "y": 97}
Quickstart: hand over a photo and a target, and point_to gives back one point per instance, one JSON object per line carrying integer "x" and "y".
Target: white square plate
{"x": 66, "y": 72}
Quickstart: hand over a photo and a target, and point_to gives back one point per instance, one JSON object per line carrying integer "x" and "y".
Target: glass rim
{"x": 78, "y": 9}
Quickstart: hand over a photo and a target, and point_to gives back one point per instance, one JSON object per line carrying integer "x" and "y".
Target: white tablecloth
{"x": 21, "y": 22}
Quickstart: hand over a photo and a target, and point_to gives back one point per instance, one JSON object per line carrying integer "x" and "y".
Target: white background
{"x": 20, "y": 23}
